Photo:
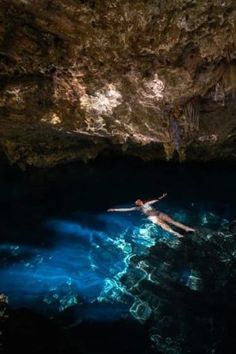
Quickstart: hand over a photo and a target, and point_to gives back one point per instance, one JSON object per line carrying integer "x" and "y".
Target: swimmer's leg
{"x": 171, "y": 221}
{"x": 169, "y": 229}
{"x": 164, "y": 226}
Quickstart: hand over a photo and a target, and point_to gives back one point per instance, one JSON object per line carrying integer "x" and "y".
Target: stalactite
{"x": 219, "y": 94}
{"x": 182, "y": 154}
{"x": 169, "y": 150}
{"x": 175, "y": 143}
{"x": 191, "y": 113}
{"x": 229, "y": 82}
{"x": 181, "y": 122}
{"x": 174, "y": 132}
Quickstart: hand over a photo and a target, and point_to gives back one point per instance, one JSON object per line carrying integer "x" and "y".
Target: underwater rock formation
{"x": 144, "y": 78}
{"x": 185, "y": 291}
{"x": 3, "y": 318}
{"x": 184, "y": 295}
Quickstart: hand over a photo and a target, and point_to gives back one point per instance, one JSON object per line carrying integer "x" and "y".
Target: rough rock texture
{"x": 3, "y": 318}
{"x": 143, "y": 77}
{"x": 186, "y": 290}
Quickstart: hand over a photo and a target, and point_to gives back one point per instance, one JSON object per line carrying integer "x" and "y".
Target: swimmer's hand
{"x": 150, "y": 202}
{"x": 109, "y": 210}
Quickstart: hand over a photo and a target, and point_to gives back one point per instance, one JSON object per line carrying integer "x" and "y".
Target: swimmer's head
{"x": 138, "y": 202}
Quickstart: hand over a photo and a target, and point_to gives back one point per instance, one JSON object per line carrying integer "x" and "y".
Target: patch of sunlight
{"x": 103, "y": 101}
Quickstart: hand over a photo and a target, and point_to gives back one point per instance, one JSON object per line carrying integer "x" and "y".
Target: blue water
{"x": 60, "y": 248}
{"x": 89, "y": 257}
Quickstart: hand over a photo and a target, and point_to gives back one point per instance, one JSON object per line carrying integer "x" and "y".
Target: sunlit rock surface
{"x": 149, "y": 78}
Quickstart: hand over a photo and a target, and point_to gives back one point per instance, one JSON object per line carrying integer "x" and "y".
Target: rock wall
{"x": 149, "y": 78}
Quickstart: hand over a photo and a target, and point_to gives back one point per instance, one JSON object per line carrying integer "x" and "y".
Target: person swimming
{"x": 156, "y": 216}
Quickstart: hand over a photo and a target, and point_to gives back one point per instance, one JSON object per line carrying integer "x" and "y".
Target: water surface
{"x": 61, "y": 250}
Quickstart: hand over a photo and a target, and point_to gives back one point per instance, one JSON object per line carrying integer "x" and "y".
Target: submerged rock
{"x": 186, "y": 292}
{"x": 3, "y": 318}
{"x": 145, "y": 78}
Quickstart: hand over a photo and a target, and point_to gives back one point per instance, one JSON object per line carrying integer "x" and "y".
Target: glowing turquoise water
{"x": 63, "y": 255}
{"x": 85, "y": 265}
{"x": 60, "y": 249}
{"x": 91, "y": 254}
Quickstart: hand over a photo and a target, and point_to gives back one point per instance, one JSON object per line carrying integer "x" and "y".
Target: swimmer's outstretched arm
{"x": 123, "y": 209}
{"x": 156, "y": 200}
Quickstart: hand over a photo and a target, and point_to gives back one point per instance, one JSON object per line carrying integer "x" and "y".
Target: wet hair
{"x": 138, "y": 202}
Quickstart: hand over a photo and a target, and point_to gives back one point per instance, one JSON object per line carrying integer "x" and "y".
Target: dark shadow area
{"x": 28, "y": 332}
{"x": 27, "y": 198}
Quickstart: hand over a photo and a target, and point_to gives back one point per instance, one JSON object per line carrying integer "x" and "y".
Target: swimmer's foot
{"x": 189, "y": 229}
{"x": 178, "y": 235}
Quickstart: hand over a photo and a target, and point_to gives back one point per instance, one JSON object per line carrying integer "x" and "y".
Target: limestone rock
{"x": 145, "y": 78}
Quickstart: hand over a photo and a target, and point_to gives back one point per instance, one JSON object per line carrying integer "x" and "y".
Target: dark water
{"x": 62, "y": 254}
